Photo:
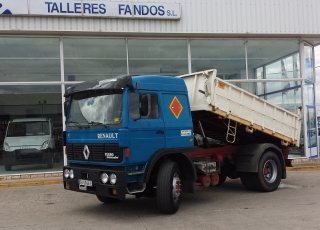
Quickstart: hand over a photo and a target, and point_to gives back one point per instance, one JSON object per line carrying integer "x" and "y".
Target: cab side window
{"x": 134, "y": 106}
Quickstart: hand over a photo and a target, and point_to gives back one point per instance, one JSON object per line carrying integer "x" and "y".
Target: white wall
{"x": 199, "y": 18}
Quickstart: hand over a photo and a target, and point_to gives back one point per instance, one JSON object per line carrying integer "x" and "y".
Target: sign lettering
{"x": 87, "y": 8}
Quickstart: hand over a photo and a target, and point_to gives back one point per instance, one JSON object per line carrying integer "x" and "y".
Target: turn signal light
{"x": 127, "y": 150}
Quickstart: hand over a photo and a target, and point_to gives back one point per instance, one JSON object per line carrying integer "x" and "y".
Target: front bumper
{"x": 27, "y": 156}
{"x": 117, "y": 191}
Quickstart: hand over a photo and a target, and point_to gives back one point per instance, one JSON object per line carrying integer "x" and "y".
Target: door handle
{"x": 160, "y": 132}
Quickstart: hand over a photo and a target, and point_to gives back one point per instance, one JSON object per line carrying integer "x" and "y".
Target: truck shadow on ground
{"x": 133, "y": 207}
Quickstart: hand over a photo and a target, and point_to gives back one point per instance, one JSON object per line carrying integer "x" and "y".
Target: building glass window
{"x": 25, "y": 59}
{"x": 94, "y": 58}
{"x": 227, "y": 56}
{"x": 311, "y": 130}
{"x": 276, "y": 59}
{"x": 34, "y": 113}
{"x": 158, "y": 57}
{"x": 280, "y": 56}
{"x": 309, "y": 63}
{"x": 289, "y": 99}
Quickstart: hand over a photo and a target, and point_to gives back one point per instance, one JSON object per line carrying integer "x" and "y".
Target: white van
{"x": 29, "y": 141}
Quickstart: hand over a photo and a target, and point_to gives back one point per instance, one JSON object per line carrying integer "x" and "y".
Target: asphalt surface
{"x": 294, "y": 205}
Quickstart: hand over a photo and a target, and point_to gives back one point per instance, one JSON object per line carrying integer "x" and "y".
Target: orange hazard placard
{"x": 176, "y": 107}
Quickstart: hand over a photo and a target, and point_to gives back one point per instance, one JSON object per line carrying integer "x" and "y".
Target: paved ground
{"x": 295, "y": 205}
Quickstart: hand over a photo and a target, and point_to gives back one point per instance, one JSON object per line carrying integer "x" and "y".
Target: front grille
{"x": 98, "y": 152}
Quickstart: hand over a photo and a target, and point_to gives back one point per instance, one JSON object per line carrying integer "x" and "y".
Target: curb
{"x": 31, "y": 176}
{"x": 30, "y": 183}
{"x": 304, "y": 168}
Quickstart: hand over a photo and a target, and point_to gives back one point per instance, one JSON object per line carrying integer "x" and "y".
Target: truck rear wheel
{"x": 222, "y": 178}
{"x": 107, "y": 200}
{"x": 249, "y": 180}
{"x": 223, "y": 175}
{"x": 268, "y": 177}
{"x": 270, "y": 172}
{"x": 169, "y": 187}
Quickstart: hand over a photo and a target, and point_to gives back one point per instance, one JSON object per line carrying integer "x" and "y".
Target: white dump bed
{"x": 210, "y": 93}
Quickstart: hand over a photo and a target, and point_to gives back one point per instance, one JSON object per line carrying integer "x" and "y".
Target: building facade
{"x": 263, "y": 46}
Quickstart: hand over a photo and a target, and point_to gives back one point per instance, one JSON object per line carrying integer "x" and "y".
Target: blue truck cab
{"x": 130, "y": 135}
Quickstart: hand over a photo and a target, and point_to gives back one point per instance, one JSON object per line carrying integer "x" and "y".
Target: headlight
{"x": 6, "y": 147}
{"x": 113, "y": 178}
{"x": 104, "y": 177}
{"x": 66, "y": 173}
{"x": 71, "y": 174}
{"x": 45, "y": 145}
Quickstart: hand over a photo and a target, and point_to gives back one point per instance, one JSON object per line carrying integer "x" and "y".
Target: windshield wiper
{"x": 95, "y": 123}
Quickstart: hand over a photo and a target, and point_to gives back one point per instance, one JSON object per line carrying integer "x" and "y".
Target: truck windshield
{"x": 34, "y": 128}
{"x": 96, "y": 107}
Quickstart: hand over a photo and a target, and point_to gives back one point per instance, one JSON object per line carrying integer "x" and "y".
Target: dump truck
{"x": 160, "y": 136}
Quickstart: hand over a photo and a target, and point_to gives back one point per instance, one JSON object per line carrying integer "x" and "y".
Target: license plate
{"x": 85, "y": 183}
{"x": 25, "y": 147}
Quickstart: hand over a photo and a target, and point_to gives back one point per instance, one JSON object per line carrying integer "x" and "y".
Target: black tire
{"x": 249, "y": 180}
{"x": 7, "y": 167}
{"x": 268, "y": 177}
{"x": 169, "y": 187}
{"x": 107, "y": 200}
{"x": 56, "y": 158}
{"x": 223, "y": 174}
{"x": 269, "y": 172}
{"x": 232, "y": 173}
{"x": 50, "y": 163}
{"x": 222, "y": 178}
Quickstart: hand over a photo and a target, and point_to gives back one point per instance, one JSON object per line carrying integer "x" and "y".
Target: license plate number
{"x": 85, "y": 183}
{"x": 25, "y": 147}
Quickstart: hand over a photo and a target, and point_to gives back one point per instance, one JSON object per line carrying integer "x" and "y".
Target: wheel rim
{"x": 176, "y": 187}
{"x": 270, "y": 171}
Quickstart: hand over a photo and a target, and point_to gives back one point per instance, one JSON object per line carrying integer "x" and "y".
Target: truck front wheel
{"x": 169, "y": 187}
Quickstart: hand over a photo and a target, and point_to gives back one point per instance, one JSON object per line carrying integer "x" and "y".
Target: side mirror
{"x": 144, "y": 105}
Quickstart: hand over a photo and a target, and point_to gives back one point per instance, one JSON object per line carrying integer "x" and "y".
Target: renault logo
{"x": 86, "y": 152}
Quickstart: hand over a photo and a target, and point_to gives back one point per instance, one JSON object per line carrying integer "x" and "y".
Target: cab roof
{"x": 150, "y": 82}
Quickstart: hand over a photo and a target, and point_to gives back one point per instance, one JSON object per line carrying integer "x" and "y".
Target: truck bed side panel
{"x": 222, "y": 99}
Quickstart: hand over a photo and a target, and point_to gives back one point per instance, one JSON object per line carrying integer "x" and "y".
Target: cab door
{"x": 147, "y": 133}
{"x": 177, "y": 120}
